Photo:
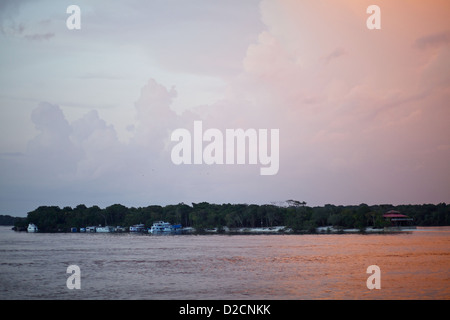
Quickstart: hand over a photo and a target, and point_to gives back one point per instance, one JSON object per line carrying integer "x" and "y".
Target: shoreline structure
{"x": 281, "y": 230}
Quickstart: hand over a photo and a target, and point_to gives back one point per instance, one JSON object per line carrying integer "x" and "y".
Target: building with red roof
{"x": 397, "y": 219}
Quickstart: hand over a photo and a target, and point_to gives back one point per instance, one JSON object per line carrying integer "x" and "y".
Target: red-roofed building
{"x": 397, "y": 219}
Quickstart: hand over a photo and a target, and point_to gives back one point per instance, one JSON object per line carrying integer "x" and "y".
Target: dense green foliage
{"x": 295, "y": 215}
{"x": 6, "y": 220}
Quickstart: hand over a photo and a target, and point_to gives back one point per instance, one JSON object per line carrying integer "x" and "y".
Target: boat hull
{"x": 32, "y": 228}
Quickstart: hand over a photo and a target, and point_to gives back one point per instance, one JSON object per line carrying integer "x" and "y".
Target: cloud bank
{"x": 363, "y": 117}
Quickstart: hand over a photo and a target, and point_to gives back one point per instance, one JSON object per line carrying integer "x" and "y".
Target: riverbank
{"x": 262, "y": 230}
{"x": 241, "y": 217}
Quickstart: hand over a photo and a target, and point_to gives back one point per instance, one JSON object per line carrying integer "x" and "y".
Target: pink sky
{"x": 363, "y": 114}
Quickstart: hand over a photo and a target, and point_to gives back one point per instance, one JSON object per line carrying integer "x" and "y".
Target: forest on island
{"x": 293, "y": 214}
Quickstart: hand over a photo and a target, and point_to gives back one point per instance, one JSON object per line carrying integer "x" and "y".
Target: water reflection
{"x": 413, "y": 266}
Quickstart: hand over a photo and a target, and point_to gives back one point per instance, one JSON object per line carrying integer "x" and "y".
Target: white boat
{"x": 137, "y": 228}
{"x": 120, "y": 229}
{"x": 90, "y": 229}
{"x": 32, "y": 228}
{"x": 105, "y": 229}
{"x": 164, "y": 227}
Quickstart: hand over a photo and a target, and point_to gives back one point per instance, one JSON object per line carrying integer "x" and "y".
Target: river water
{"x": 414, "y": 265}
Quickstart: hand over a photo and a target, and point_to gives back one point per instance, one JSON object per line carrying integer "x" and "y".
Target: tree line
{"x": 7, "y": 220}
{"x": 293, "y": 214}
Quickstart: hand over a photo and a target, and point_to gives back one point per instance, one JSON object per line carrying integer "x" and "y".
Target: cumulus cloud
{"x": 362, "y": 117}
{"x": 51, "y": 152}
{"x": 347, "y": 122}
{"x": 155, "y": 118}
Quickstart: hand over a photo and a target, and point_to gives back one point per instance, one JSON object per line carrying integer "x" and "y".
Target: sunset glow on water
{"x": 413, "y": 265}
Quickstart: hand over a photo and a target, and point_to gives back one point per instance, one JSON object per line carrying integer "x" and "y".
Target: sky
{"x": 86, "y": 115}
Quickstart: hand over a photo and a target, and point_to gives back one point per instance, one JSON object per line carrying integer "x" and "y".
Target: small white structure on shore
{"x": 91, "y": 229}
{"x": 105, "y": 229}
{"x": 32, "y": 228}
{"x": 137, "y": 228}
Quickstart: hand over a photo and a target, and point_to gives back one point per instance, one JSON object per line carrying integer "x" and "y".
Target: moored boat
{"x": 137, "y": 228}
{"x": 164, "y": 227}
{"x": 91, "y": 229}
{"x": 120, "y": 229}
{"x": 32, "y": 228}
{"x": 105, "y": 229}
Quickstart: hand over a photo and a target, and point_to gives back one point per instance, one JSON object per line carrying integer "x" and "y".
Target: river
{"x": 413, "y": 265}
